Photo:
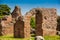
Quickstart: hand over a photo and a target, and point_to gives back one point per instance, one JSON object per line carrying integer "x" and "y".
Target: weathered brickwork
{"x": 46, "y": 22}
{"x": 27, "y": 26}
{"x": 19, "y": 28}
{"x": 6, "y": 27}
{"x": 18, "y": 22}
{"x": 22, "y": 26}
{"x": 16, "y": 12}
{"x": 49, "y": 22}
{"x": 39, "y": 30}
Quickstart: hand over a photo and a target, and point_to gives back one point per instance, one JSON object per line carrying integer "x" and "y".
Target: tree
{"x": 32, "y": 22}
{"x": 4, "y": 9}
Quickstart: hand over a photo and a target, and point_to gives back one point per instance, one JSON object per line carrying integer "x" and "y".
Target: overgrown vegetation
{"x": 4, "y": 10}
{"x": 32, "y": 22}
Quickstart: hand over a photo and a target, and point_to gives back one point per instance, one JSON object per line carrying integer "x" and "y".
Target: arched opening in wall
{"x": 36, "y": 24}
{"x": 33, "y": 25}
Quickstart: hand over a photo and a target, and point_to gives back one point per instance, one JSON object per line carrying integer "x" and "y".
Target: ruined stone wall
{"x": 6, "y": 27}
{"x": 27, "y": 26}
{"x": 22, "y": 27}
{"x": 46, "y": 22}
{"x": 16, "y": 12}
{"x": 19, "y": 28}
{"x": 18, "y": 23}
{"x": 50, "y": 22}
{"x": 39, "y": 20}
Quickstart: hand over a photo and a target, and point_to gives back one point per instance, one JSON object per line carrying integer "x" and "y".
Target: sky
{"x": 27, "y": 5}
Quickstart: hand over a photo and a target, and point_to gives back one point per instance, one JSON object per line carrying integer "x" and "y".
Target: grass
{"x": 32, "y": 38}
{"x": 12, "y": 38}
{"x": 52, "y": 37}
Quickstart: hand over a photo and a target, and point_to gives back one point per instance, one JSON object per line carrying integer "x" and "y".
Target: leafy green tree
{"x": 4, "y": 9}
{"x": 32, "y": 22}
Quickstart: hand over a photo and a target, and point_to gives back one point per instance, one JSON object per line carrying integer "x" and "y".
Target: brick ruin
{"x": 6, "y": 27}
{"x": 46, "y": 22}
{"x": 21, "y": 25}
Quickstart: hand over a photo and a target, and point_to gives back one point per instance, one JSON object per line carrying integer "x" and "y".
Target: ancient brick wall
{"x": 39, "y": 20}
{"x": 50, "y": 22}
{"x": 6, "y": 27}
{"x": 16, "y": 12}
{"x": 22, "y": 27}
{"x": 27, "y": 26}
{"x": 19, "y": 28}
{"x": 18, "y": 23}
{"x": 46, "y": 21}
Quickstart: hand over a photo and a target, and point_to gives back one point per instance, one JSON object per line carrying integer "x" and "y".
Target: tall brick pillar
{"x": 39, "y": 20}
{"x": 27, "y": 26}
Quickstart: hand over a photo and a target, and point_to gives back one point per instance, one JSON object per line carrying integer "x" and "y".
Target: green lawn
{"x": 52, "y": 37}
{"x": 32, "y": 38}
{"x": 12, "y": 38}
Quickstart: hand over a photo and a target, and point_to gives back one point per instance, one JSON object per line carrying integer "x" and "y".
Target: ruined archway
{"x": 46, "y": 22}
{"x": 38, "y": 15}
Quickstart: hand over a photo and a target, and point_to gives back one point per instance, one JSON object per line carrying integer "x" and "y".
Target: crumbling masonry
{"x": 46, "y": 22}
{"x": 6, "y": 27}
